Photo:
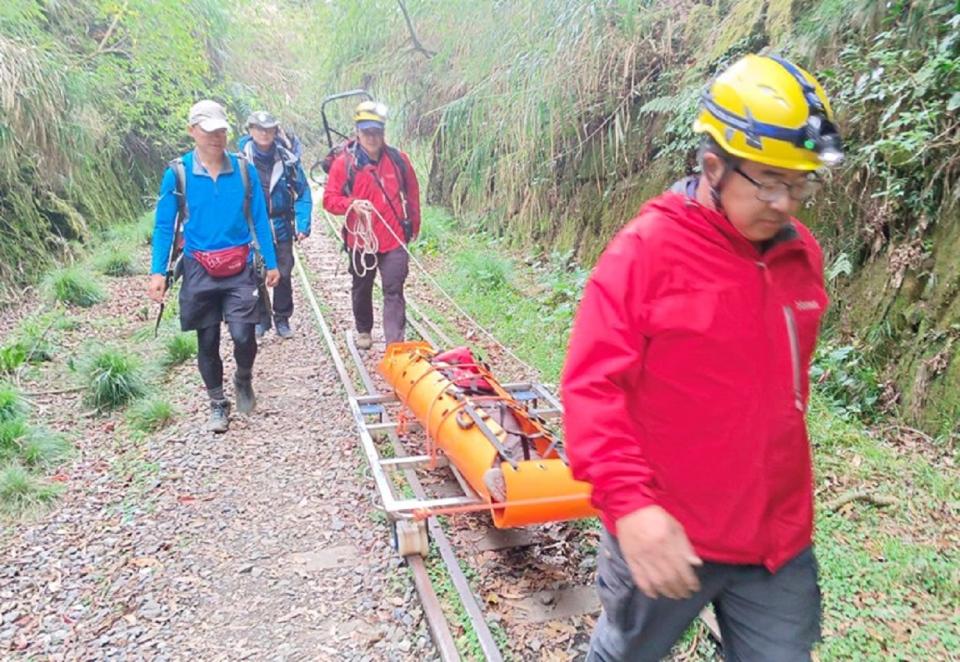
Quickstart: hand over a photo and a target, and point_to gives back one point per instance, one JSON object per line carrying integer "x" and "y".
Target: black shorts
{"x": 206, "y": 301}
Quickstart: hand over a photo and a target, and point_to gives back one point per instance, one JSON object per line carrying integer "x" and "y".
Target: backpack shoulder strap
{"x": 397, "y": 157}
{"x": 351, "y": 157}
{"x": 242, "y": 165}
{"x": 180, "y": 175}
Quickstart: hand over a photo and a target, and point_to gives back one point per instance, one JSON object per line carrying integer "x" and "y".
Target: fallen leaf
{"x": 144, "y": 561}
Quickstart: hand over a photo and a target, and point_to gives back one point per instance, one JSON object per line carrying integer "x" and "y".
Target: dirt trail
{"x": 263, "y": 543}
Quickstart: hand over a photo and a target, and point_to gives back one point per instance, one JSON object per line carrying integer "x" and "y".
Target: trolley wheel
{"x": 411, "y": 538}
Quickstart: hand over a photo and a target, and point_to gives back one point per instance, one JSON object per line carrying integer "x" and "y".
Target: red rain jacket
{"x": 686, "y": 380}
{"x": 365, "y": 188}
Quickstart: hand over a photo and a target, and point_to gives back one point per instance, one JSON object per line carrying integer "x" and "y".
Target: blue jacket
{"x": 280, "y": 205}
{"x": 216, "y": 218}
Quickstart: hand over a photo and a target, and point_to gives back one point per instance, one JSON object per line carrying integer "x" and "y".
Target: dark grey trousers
{"x": 763, "y": 616}
{"x": 283, "y": 292}
{"x": 393, "y": 267}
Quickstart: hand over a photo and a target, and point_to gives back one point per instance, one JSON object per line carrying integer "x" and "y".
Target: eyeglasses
{"x": 372, "y": 132}
{"x": 772, "y": 191}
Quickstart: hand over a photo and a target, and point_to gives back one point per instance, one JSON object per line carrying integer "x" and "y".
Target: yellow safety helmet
{"x": 766, "y": 109}
{"x": 370, "y": 114}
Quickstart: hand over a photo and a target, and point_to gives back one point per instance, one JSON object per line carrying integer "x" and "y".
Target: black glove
{"x": 407, "y": 229}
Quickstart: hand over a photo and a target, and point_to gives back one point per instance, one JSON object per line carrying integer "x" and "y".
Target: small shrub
{"x": 44, "y": 448}
{"x": 19, "y": 490}
{"x": 483, "y": 270}
{"x": 179, "y": 349}
{"x": 116, "y": 261}
{"x": 112, "y": 378}
{"x": 435, "y": 230}
{"x": 12, "y": 404}
{"x": 12, "y": 433}
{"x": 37, "y": 333}
{"x": 151, "y": 414}
{"x": 12, "y": 357}
{"x": 849, "y": 387}
{"x": 73, "y": 286}
{"x": 136, "y": 233}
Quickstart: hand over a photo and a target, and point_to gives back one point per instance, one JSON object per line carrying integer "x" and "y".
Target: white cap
{"x": 210, "y": 115}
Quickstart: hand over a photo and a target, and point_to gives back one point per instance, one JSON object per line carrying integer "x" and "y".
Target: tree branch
{"x": 417, "y": 46}
{"x": 861, "y": 495}
{"x": 102, "y": 46}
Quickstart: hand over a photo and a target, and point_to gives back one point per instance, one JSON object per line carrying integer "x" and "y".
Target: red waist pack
{"x": 224, "y": 262}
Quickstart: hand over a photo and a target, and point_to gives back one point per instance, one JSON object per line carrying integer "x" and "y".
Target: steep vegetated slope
{"x": 551, "y": 121}
{"x": 93, "y": 97}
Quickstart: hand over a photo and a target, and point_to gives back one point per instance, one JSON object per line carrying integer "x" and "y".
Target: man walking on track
{"x": 289, "y": 205}
{"x": 211, "y": 206}
{"x": 374, "y": 185}
{"x": 686, "y": 384}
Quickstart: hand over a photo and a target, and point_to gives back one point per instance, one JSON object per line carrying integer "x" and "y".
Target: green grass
{"x": 530, "y": 309}
{"x": 21, "y": 491}
{"x": 133, "y": 233}
{"x": 178, "y": 349}
{"x": 467, "y": 643}
{"x": 12, "y": 433}
{"x": 151, "y": 414}
{"x": 12, "y": 404}
{"x": 33, "y": 340}
{"x": 38, "y": 333}
{"x": 889, "y": 575}
{"x": 42, "y": 448}
{"x": 436, "y": 230}
{"x": 12, "y": 357}
{"x": 73, "y": 286}
{"x": 112, "y": 378}
{"x": 115, "y": 260}
{"x": 483, "y": 270}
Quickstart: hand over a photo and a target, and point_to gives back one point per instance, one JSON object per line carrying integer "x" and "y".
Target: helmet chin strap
{"x": 715, "y": 190}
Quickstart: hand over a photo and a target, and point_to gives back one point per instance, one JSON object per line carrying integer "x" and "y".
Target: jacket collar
{"x": 680, "y": 202}
{"x": 198, "y": 169}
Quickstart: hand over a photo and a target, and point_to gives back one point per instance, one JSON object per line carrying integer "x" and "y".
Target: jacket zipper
{"x": 794, "y": 355}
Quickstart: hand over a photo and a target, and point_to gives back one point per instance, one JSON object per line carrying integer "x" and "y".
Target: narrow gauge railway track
{"x": 536, "y": 583}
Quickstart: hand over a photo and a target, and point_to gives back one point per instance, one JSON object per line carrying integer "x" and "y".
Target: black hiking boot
{"x": 246, "y": 399}
{"x": 283, "y": 328}
{"x": 219, "y": 416}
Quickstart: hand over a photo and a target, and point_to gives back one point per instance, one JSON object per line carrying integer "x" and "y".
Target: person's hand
{"x": 301, "y": 236}
{"x": 273, "y": 277}
{"x": 362, "y": 206}
{"x": 658, "y": 553}
{"x": 157, "y": 287}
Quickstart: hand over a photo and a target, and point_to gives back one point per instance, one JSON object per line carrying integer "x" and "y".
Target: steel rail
{"x": 485, "y": 638}
{"x": 432, "y": 609}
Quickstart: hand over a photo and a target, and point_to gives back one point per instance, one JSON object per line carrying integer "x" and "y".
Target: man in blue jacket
{"x": 213, "y": 225}
{"x": 289, "y": 205}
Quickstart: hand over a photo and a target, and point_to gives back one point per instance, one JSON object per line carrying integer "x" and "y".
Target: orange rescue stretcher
{"x": 504, "y": 451}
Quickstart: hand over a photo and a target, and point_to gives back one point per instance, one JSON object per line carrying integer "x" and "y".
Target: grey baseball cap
{"x": 263, "y": 119}
{"x": 209, "y": 114}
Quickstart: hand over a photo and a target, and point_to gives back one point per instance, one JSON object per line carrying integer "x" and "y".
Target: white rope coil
{"x": 365, "y": 242}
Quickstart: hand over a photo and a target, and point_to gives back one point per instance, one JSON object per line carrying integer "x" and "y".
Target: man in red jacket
{"x": 375, "y": 186}
{"x": 686, "y": 384}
